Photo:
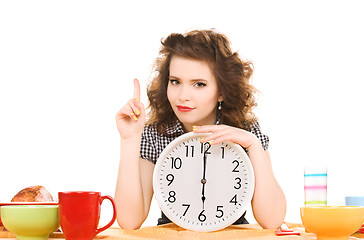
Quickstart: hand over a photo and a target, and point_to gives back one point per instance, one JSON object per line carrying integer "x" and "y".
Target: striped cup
{"x": 315, "y": 186}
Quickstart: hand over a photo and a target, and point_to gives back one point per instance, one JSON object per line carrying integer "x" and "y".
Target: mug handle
{"x": 102, "y": 198}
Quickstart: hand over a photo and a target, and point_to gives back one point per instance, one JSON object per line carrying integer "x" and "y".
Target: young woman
{"x": 201, "y": 86}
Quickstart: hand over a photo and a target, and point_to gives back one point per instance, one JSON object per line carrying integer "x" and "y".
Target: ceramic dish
{"x": 24, "y": 203}
{"x": 332, "y": 222}
{"x": 30, "y": 222}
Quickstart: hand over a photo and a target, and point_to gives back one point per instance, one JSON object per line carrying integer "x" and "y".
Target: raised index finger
{"x": 136, "y": 89}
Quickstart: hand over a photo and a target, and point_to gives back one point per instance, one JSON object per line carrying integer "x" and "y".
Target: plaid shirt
{"x": 153, "y": 143}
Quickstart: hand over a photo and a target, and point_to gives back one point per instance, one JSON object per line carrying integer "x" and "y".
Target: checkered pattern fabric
{"x": 153, "y": 143}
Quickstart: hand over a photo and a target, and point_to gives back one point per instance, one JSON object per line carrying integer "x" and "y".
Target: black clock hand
{"x": 203, "y": 180}
{"x": 204, "y": 166}
{"x": 203, "y": 198}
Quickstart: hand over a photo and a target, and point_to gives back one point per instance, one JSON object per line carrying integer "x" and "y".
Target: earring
{"x": 218, "y": 118}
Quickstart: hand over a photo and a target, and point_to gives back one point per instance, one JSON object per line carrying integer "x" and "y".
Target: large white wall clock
{"x": 203, "y": 187}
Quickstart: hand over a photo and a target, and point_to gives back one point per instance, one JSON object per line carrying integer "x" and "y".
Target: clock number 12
{"x": 205, "y": 148}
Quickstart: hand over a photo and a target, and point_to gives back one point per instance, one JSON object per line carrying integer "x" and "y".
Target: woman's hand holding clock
{"x": 221, "y": 133}
{"x": 268, "y": 215}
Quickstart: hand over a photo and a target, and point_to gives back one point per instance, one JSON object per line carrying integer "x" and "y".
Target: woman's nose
{"x": 185, "y": 93}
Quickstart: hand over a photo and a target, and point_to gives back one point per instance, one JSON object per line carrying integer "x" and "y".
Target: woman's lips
{"x": 184, "y": 108}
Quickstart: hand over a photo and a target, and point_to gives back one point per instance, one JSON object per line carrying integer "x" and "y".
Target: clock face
{"x": 203, "y": 187}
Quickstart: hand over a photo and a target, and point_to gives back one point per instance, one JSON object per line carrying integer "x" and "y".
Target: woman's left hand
{"x": 221, "y": 133}
{"x": 268, "y": 214}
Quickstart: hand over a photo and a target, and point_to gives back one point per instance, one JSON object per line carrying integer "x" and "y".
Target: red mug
{"x": 79, "y": 214}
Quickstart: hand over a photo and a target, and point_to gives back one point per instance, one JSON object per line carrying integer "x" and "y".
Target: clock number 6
{"x": 202, "y": 217}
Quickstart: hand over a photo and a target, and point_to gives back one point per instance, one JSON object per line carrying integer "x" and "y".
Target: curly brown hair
{"x": 232, "y": 75}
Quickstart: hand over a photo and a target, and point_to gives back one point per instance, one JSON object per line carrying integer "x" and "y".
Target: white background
{"x": 66, "y": 67}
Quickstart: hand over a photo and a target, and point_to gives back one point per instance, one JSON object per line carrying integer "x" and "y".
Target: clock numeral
{"x": 172, "y": 196}
{"x": 237, "y": 165}
{"x": 238, "y": 182}
{"x": 222, "y": 152}
{"x": 186, "y": 205}
{"x": 219, "y": 210}
{"x": 176, "y": 163}
{"x": 192, "y": 150}
{"x": 202, "y": 216}
{"x": 170, "y": 178}
{"x": 234, "y": 200}
{"x": 205, "y": 148}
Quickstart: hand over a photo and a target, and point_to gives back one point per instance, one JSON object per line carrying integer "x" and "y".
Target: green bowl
{"x": 30, "y": 222}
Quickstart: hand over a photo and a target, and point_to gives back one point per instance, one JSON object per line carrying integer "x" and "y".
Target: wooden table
{"x": 173, "y": 232}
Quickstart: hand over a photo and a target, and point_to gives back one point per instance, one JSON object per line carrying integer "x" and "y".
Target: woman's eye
{"x": 199, "y": 84}
{"x": 174, "y": 81}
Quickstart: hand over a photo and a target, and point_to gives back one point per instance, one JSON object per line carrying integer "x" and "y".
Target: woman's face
{"x": 192, "y": 92}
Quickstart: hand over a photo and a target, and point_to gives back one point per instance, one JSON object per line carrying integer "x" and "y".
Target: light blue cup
{"x": 354, "y": 201}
